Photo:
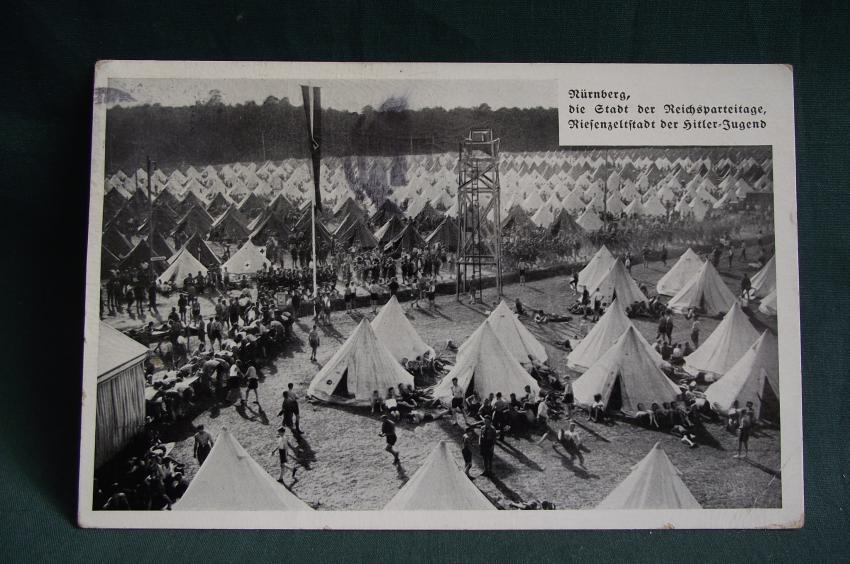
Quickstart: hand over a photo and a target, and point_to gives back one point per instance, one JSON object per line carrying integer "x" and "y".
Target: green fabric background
{"x": 49, "y": 50}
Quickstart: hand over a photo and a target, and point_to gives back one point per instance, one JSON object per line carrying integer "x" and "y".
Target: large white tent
{"x": 631, "y": 369}
{"x": 230, "y": 480}
{"x": 516, "y": 336}
{"x": 618, "y": 283}
{"x": 654, "y": 483}
{"x": 725, "y": 346}
{"x": 359, "y": 367}
{"x": 439, "y": 485}
{"x": 597, "y": 268}
{"x": 682, "y": 272}
{"x": 705, "y": 292}
{"x": 182, "y": 264}
{"x": 746, "y": 380}
{"x": 768, "y": 304}
{"x": 394, "y": 330}
{"x": 484, "y": 363}
{"x": 249, "y": 259}
{"x": 764, "y": 281}
{"x": 602, "y": 337}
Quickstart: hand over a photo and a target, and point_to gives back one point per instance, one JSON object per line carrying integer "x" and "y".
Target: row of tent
{"x": 540, "y": 184}
{"x": 434, "y": 177}
{"x": 231, "y": 480}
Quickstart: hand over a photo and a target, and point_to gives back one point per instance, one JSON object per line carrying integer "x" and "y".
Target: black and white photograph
{"x": 405, "y": 295}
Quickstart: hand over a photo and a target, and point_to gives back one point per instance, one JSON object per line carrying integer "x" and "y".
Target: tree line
{"x": 212, "y": 132}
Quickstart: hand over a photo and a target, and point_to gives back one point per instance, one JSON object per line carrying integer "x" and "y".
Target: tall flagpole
{"x": 310, "y": 107}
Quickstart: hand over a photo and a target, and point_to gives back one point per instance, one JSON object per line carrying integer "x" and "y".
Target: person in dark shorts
{"x": 388, "y": 431}
{"x": 745, "y": 424}
{"x": 203, "y": 444}
{"x": 313, "y": 339}
{"x": 487, "y": 445}
{"x": 296, "y": 411}
{"x": 253, "y": 384}
{"x": 287, "y": 410}
{"x": 280, "y": 447}
{"x": 569, "y": 398}
{"x": 466, "y": 450}
{"x": 457, "y": 400}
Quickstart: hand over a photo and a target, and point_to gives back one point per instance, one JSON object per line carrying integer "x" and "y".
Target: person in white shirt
{"x": 457, "y": 401}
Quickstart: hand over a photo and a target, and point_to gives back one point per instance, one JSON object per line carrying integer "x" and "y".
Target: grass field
{"x": 345, "y": 466}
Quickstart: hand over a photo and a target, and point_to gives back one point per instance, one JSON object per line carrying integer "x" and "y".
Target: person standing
{"x": 203, "y": 444}
{"x": 181, "y": 305}
{"x": 663, "y": 255}
{"x": 745, "y": 423}
{"x": 487, "y": 444}
{"x": 313, "y": 340}
{"x": 521, "y": 266}
{"x": 152, "y": 298}
{"x": 296, "y": 411}
{"x": 253, "y": 384}
{"x": 388, "y": 432}
{"x": 457, "y": 401}
{"x": 695, "y": 331}
{"x": 466, "y": 450}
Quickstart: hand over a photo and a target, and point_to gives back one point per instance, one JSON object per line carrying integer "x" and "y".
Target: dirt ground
{"x": 344, "y": 465}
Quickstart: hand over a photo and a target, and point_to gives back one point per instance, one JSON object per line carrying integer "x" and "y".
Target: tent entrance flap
{"x": 341, "y": 388}
{"x": 615, "y": 400}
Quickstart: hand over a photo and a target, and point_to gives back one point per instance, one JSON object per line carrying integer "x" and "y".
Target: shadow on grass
{"x": 305, "y": 453}
{"x": 775, "y": 473}
{"x": 247, "y": 412}
{"x": 589, "y": 430}
{"x": 504, "y": 489}
{"x": 516, "y": 453}
{"x": 569, "y": 463}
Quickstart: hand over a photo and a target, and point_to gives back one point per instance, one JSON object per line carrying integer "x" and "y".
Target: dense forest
{"x": 212, "y": 132}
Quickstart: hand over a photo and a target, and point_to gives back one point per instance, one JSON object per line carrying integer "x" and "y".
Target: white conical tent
{"x": 573, "y": 201}
{"x": 682, "y": 272}
{"x": 768, "y": 304}
{"x": 182, "y": 264}
{"x": 359, "y": 367}
{"x": 705, "y": 292}
{"x": 602, "y": 337}
{"x": 725, "y": 346}
{"x": 654, "y": 483}
{"x": 249, "y": 259}
{"x": 589, "y": 220}
{"x": 699, "y": 208}
{"x": 543, "y": 217}
{"x": 653, "y": 207}
{"x": 618, "y": 283}
{"x": 439, "y": 485}
{"x": 746, "y": 380}
{"x": 395, "y": 331}
{"x": 484, "y": 357}
{"x": 635, "y": 207}
{"x": 764, "y": 281}
{"x": 597, "y": 268}
{"x": 516, "y": 336}
{"x": 632, "y": 364}
{"x": 230, "y": 480}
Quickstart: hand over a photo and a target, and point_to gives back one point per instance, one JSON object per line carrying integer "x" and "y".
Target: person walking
{"x": 203, "y": 444}
{"x": 314, "y": 341}
{"x": 280, "y": 447}
{"x": 388, "y": 432}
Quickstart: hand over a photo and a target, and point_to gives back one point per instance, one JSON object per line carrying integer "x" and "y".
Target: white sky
{"x": 351, "y": 95}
